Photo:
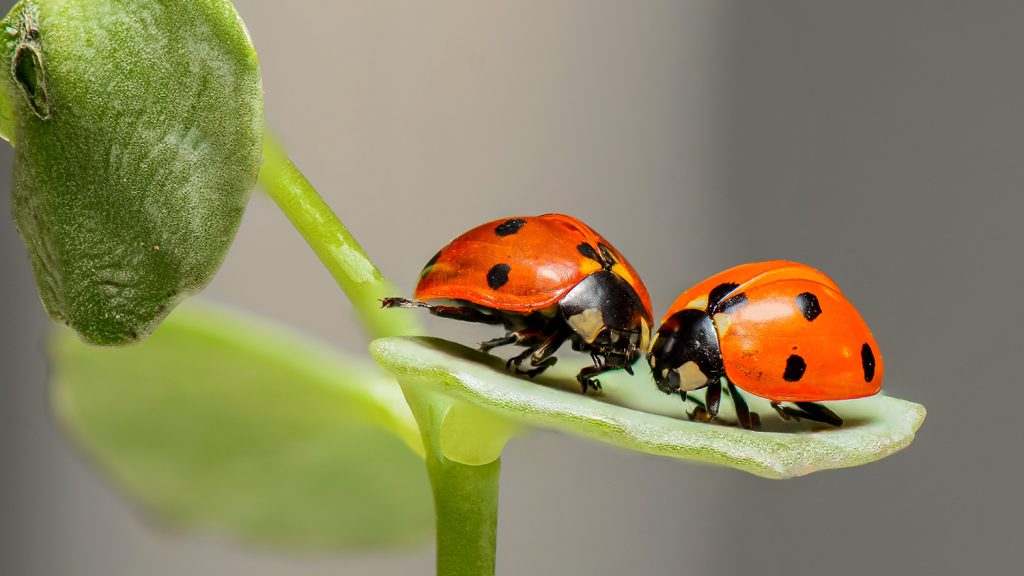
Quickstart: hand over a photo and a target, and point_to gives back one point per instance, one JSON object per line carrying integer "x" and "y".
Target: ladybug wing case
{"x": 521, "y": 265}
{"x": 738, "y": 278}
{"x": 799, "y": 340}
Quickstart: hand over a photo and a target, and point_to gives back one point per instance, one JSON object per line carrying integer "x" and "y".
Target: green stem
{"x": 465, "y": 497}
{"x": 465, "y": 501}
{"x": 343, "y": 257}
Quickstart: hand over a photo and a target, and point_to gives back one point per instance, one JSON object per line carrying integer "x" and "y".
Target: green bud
{"x": 138, "y": 127}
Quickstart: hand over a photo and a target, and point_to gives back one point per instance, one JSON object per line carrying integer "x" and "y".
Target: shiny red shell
{"x": 521, "y": 264}
{"x": 793, "y": 336}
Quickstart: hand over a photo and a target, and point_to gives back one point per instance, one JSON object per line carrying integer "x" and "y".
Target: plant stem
{"x": 465, "y": 501}
{"x": 343, "y": 257}
{"x": 465, "y": 497}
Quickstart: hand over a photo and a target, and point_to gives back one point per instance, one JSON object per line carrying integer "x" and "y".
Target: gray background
{"x": 880, "y": 141}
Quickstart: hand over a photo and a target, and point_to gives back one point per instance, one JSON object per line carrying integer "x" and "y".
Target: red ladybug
{"x": 547, "y": 279}
{"x": 779, "y": 330}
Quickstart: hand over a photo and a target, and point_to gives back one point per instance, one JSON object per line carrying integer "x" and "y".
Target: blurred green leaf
{"x": 632, "y": 413}
{"x": 138, "y": 127}
{"x": 237, "y": 427}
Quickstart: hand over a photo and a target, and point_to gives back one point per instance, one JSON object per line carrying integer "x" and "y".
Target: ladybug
{"x": 779, "y": 330}
{"x": 546, "y": 279}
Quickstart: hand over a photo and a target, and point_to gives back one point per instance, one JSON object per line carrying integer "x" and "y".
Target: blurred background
{"x": 879, "y": 141}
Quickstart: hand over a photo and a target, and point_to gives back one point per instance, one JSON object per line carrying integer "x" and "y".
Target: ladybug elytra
{"x": 547, "y": 279}
{"x": 779, "y": 330}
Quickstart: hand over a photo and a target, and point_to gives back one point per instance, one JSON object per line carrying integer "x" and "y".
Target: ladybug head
{"x": 607, "y": 318}
{"x": 685, "y": 354}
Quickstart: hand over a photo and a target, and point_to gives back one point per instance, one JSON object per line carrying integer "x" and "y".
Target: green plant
{"x": 138, "y": 132}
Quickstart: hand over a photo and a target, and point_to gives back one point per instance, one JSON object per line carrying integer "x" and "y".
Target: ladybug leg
{"x": 699, "y": 412}
{"x": 510, "y": 338}
{"x": 543, "y": 357}
{"x": 539, "y": 367}
{"x": 808, "y": 411}
{"x": 464, "y": 313}
{"x": 586, "y": 377}
{"x": 819, "y": 413}
{"x": 743, "y": 413}
{"x": 785, "y": 412}
{"x": 393, "y": 302}
{"x": 540, "y": 356}
{"x": 712, "y": 400}
{"x": 514, "y": 362}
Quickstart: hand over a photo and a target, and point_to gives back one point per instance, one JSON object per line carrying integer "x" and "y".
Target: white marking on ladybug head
{"x": 691, "y": 377}
{"x": 645, "y": 336}
{"x": 588, "y": 324}
{"x": 722, "y": 322}
{"x": 698, "y": 303}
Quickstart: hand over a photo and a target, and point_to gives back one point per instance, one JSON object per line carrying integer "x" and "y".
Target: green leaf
{"x": 221, "y": 423}
{"x": 472, "y": 436}
{"x": 139, "y": 126}
{"x": 632, "y": 413}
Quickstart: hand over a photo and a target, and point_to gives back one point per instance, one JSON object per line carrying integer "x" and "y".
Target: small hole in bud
{"x": 28, "y": 71}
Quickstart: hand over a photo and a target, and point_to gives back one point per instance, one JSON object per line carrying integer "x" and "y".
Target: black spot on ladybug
{"x": 430, "y": 263}
{"x": 607, "y": 256}
{"x": 719, "y": 292}
{"x": 867, "y": 359}
{"x": 795, "y": 367}
{"x": 808, "y": 305}
{"x": 588, "y": 251}
{"x": 509, "y": 227}
{"x": 731, "y": 302}
{"x": 497, "y": 276}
